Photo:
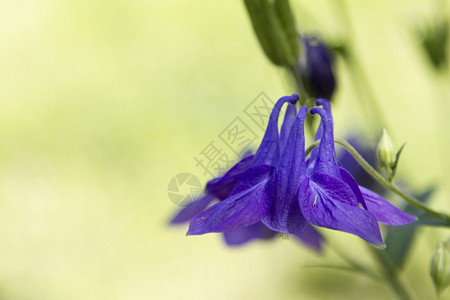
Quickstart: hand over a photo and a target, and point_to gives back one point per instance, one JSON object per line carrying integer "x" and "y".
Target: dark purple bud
{"x": 316, "y": 67}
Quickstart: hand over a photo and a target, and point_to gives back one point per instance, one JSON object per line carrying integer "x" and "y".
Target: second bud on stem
{"x": 387, "y": 156}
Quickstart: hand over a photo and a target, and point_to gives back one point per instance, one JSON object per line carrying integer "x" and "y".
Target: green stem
{"x": 345, "y": 268}
{"x": 391, "y": 186}
{"x": 311, "y": 147}
{"x": 390, "y": 276}
{"x": 398, "y": 287}
{"x": 354, "y": 265}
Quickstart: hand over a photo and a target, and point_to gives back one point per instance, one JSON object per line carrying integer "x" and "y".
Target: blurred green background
{"x": 103, "y": 102}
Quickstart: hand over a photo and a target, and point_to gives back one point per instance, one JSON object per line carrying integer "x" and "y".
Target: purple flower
{"x": 233, "y": 185}
{"x": 287, "y": 194}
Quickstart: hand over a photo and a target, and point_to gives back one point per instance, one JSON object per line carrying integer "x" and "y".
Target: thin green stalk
{"x": 391, "y": 186}
{"x": 345, "y": 268}
{"x": 398, "y": 287}
{"x": 354, "y": 265}
{"x": 311, "y": 147}
{"x": 391, "y": 277}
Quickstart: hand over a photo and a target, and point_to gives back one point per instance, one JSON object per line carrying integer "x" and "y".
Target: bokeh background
{"x": 103, "y": 102}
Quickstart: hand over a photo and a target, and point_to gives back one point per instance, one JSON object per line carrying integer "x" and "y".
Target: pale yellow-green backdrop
{"x": 103, "y": 102}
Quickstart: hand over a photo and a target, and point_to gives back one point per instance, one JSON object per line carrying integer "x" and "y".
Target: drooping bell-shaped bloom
{"x": 329, "y": 196}
{"x": 287, "y": 194}
{"x": 223, "y": 187}
{"x": 252, "y": 199}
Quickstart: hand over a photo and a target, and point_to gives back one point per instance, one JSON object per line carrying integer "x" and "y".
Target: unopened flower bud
{"x": 440, "y": 267}
{"x": 316, "y": 67}
{"x": 386, "y": 151}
